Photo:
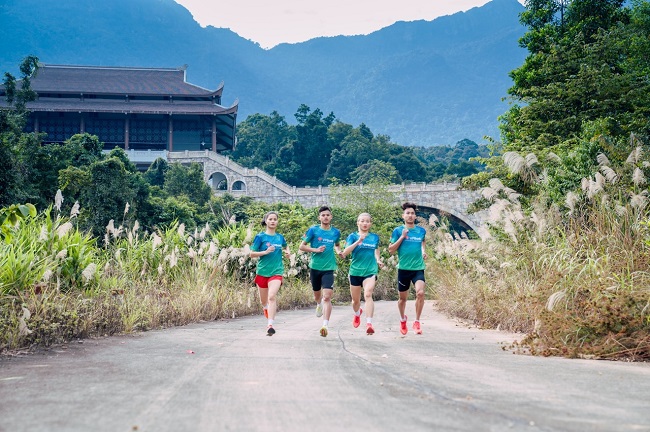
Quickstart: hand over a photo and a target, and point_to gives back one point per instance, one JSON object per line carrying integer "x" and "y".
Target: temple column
{"x": 82, "y": 124}
{"x": 214, "y": 134}
{"x": 36, "y": 124}
{"x": 126, "y": 133}
{"x": 171, "y": 135}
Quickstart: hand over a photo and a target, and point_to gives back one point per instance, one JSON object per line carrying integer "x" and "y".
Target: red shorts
{"x": 263, "y": 281}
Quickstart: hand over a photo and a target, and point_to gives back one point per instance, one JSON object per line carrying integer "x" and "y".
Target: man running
{"x": 323, "y": 242}
{"x": 408, "y": 241}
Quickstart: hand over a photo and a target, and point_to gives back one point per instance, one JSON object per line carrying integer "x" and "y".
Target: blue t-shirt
{"x": 317, "y": 237}
{"x": 363, "y": 262}
{"x": 410, "y": 251}
{"x": 271, "y": 264}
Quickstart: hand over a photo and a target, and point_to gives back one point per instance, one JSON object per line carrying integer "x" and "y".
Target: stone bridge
{"x": 226, "y": 176}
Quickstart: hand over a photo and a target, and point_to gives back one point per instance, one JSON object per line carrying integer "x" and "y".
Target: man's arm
{"x": 306, "y": 248}
{"x": 392, "y": 247}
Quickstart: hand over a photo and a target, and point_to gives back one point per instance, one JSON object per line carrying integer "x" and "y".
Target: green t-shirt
{"x": 317, "y": 237}
{"x": 410, "y": 251}
{"x": 271, "y": 264}
{"x": 363, "y": 261}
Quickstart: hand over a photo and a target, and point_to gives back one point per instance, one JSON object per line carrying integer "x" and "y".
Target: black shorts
{"x": 321, "y": 279}
{"x": 358, "y": 280}
{"x": 405, "y": 277}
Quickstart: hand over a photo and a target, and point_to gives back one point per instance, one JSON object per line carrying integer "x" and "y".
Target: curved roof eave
{"x": 233, "y": 108}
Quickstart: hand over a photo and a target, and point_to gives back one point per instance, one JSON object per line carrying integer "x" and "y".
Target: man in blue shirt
{"x": 323, "y": 243}
{"x": 408, "y": 241}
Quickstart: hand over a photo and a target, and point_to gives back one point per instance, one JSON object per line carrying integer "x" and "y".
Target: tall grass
{"x": 574, "y": 278}
{"x": 58, "y": 283}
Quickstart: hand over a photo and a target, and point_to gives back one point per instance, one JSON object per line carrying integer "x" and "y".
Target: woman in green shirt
{"x": 267, "y": 246}
{"x": 364, "y": 247}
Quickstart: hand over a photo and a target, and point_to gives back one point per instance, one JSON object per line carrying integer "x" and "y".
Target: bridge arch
{"x": 239, "y": 185}
{"x": 218, "y": 181}
{"x": 459, "y": 222}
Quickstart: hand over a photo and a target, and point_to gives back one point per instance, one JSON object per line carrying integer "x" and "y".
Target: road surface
{"x": 229, "y": 376}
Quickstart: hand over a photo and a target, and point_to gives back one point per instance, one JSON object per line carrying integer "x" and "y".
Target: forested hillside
{"x": 324, "y": 150}
{"x": 421, "y": 83}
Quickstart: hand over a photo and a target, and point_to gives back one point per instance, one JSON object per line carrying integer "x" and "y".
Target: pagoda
{"x": 152, "y": 110}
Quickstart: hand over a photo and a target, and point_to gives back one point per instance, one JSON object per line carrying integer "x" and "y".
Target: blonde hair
{"x": 364, "y": 214}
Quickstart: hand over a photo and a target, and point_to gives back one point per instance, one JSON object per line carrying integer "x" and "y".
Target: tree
{"x": 313, "y": 146}
{"x": 462, "y": 169}
{"x": 14, "y": 177}
{"x": 375, "y": 171}
{"x": 578, "y": 71}
{"x": 155, "y": 174}
{"x": 110, "y": 188}
{"x": 356, "y": 149}
{"x": 409, "y": 167}
{"x": 188, "y": 181}
{"x": 259, "y": 140}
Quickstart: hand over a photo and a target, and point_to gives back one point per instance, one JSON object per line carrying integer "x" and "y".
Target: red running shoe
{"x": 357, "y": 319}
{"x": 369, "y": 329}
{"x": 416, "y": 327}
{"x": 402, "y": 326}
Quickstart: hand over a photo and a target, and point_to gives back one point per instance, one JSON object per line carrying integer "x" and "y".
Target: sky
{"x": 271, "y": 22}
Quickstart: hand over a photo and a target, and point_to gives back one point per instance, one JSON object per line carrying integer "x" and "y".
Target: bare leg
{"x": 401, "y": 303}
{"x": 368, "y": 288}
{"x": 355, "y": 293}
{"x": 274, "y": 287}
{"x": 317, "y": 295}
{"x": 264, "y": 295}
{"x": 327, "y": 303}
{"x": 419, "y": 299}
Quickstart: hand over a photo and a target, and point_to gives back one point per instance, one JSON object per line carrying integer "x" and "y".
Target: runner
{"x": 408, "y": 241}
{"x": 364, "y": 247}
{"x": 322, "y": 241}
{"x": 268, "y": 245}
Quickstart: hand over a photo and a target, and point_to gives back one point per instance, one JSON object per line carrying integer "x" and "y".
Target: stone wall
{"x": 263, "y": 187}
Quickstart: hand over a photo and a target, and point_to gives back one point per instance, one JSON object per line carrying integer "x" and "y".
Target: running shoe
{"x": 266, "y": 313}
{"x": 323, "y": 331}
{"x": 369, "y": 329}
{"x": 319, "y": 310}
{"x": 357, "y": 319}
{"x": 402, "y": 326}
{"x": 416, "y": 327}
{"x": 270, "y": 331}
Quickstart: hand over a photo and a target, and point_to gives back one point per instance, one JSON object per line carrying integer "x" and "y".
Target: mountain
{"x": 421, "y": 83}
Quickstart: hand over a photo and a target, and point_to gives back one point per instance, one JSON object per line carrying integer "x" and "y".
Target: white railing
{"x": 143, "y": 155}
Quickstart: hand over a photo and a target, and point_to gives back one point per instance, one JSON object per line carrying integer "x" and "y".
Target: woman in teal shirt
{"x": 364, "y": 247}
{"x": 267, "y": 246}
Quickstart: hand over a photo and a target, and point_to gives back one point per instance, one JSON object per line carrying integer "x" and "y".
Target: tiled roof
{"x": 116, "y": 80}
{"x": 148, "y": 107}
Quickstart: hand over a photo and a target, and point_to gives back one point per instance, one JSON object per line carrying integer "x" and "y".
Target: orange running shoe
{"x": 323, "y": 331}
{"x": 416, "y": 327}
{"x": 402, "y": 326}
{"x": 357, "y": 319}
{"x": 369, "y": 329}
{"x": 266, "y": 313}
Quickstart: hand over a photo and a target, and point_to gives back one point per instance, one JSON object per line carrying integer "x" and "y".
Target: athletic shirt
{"x": 410, "y": 251}
{"x": 317, "y": 237}
{"x": 271, "y": 264}
{"x": 363, "y": 262}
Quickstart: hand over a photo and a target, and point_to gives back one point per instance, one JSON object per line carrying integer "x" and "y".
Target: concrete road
{"x": 229, "y": 376}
